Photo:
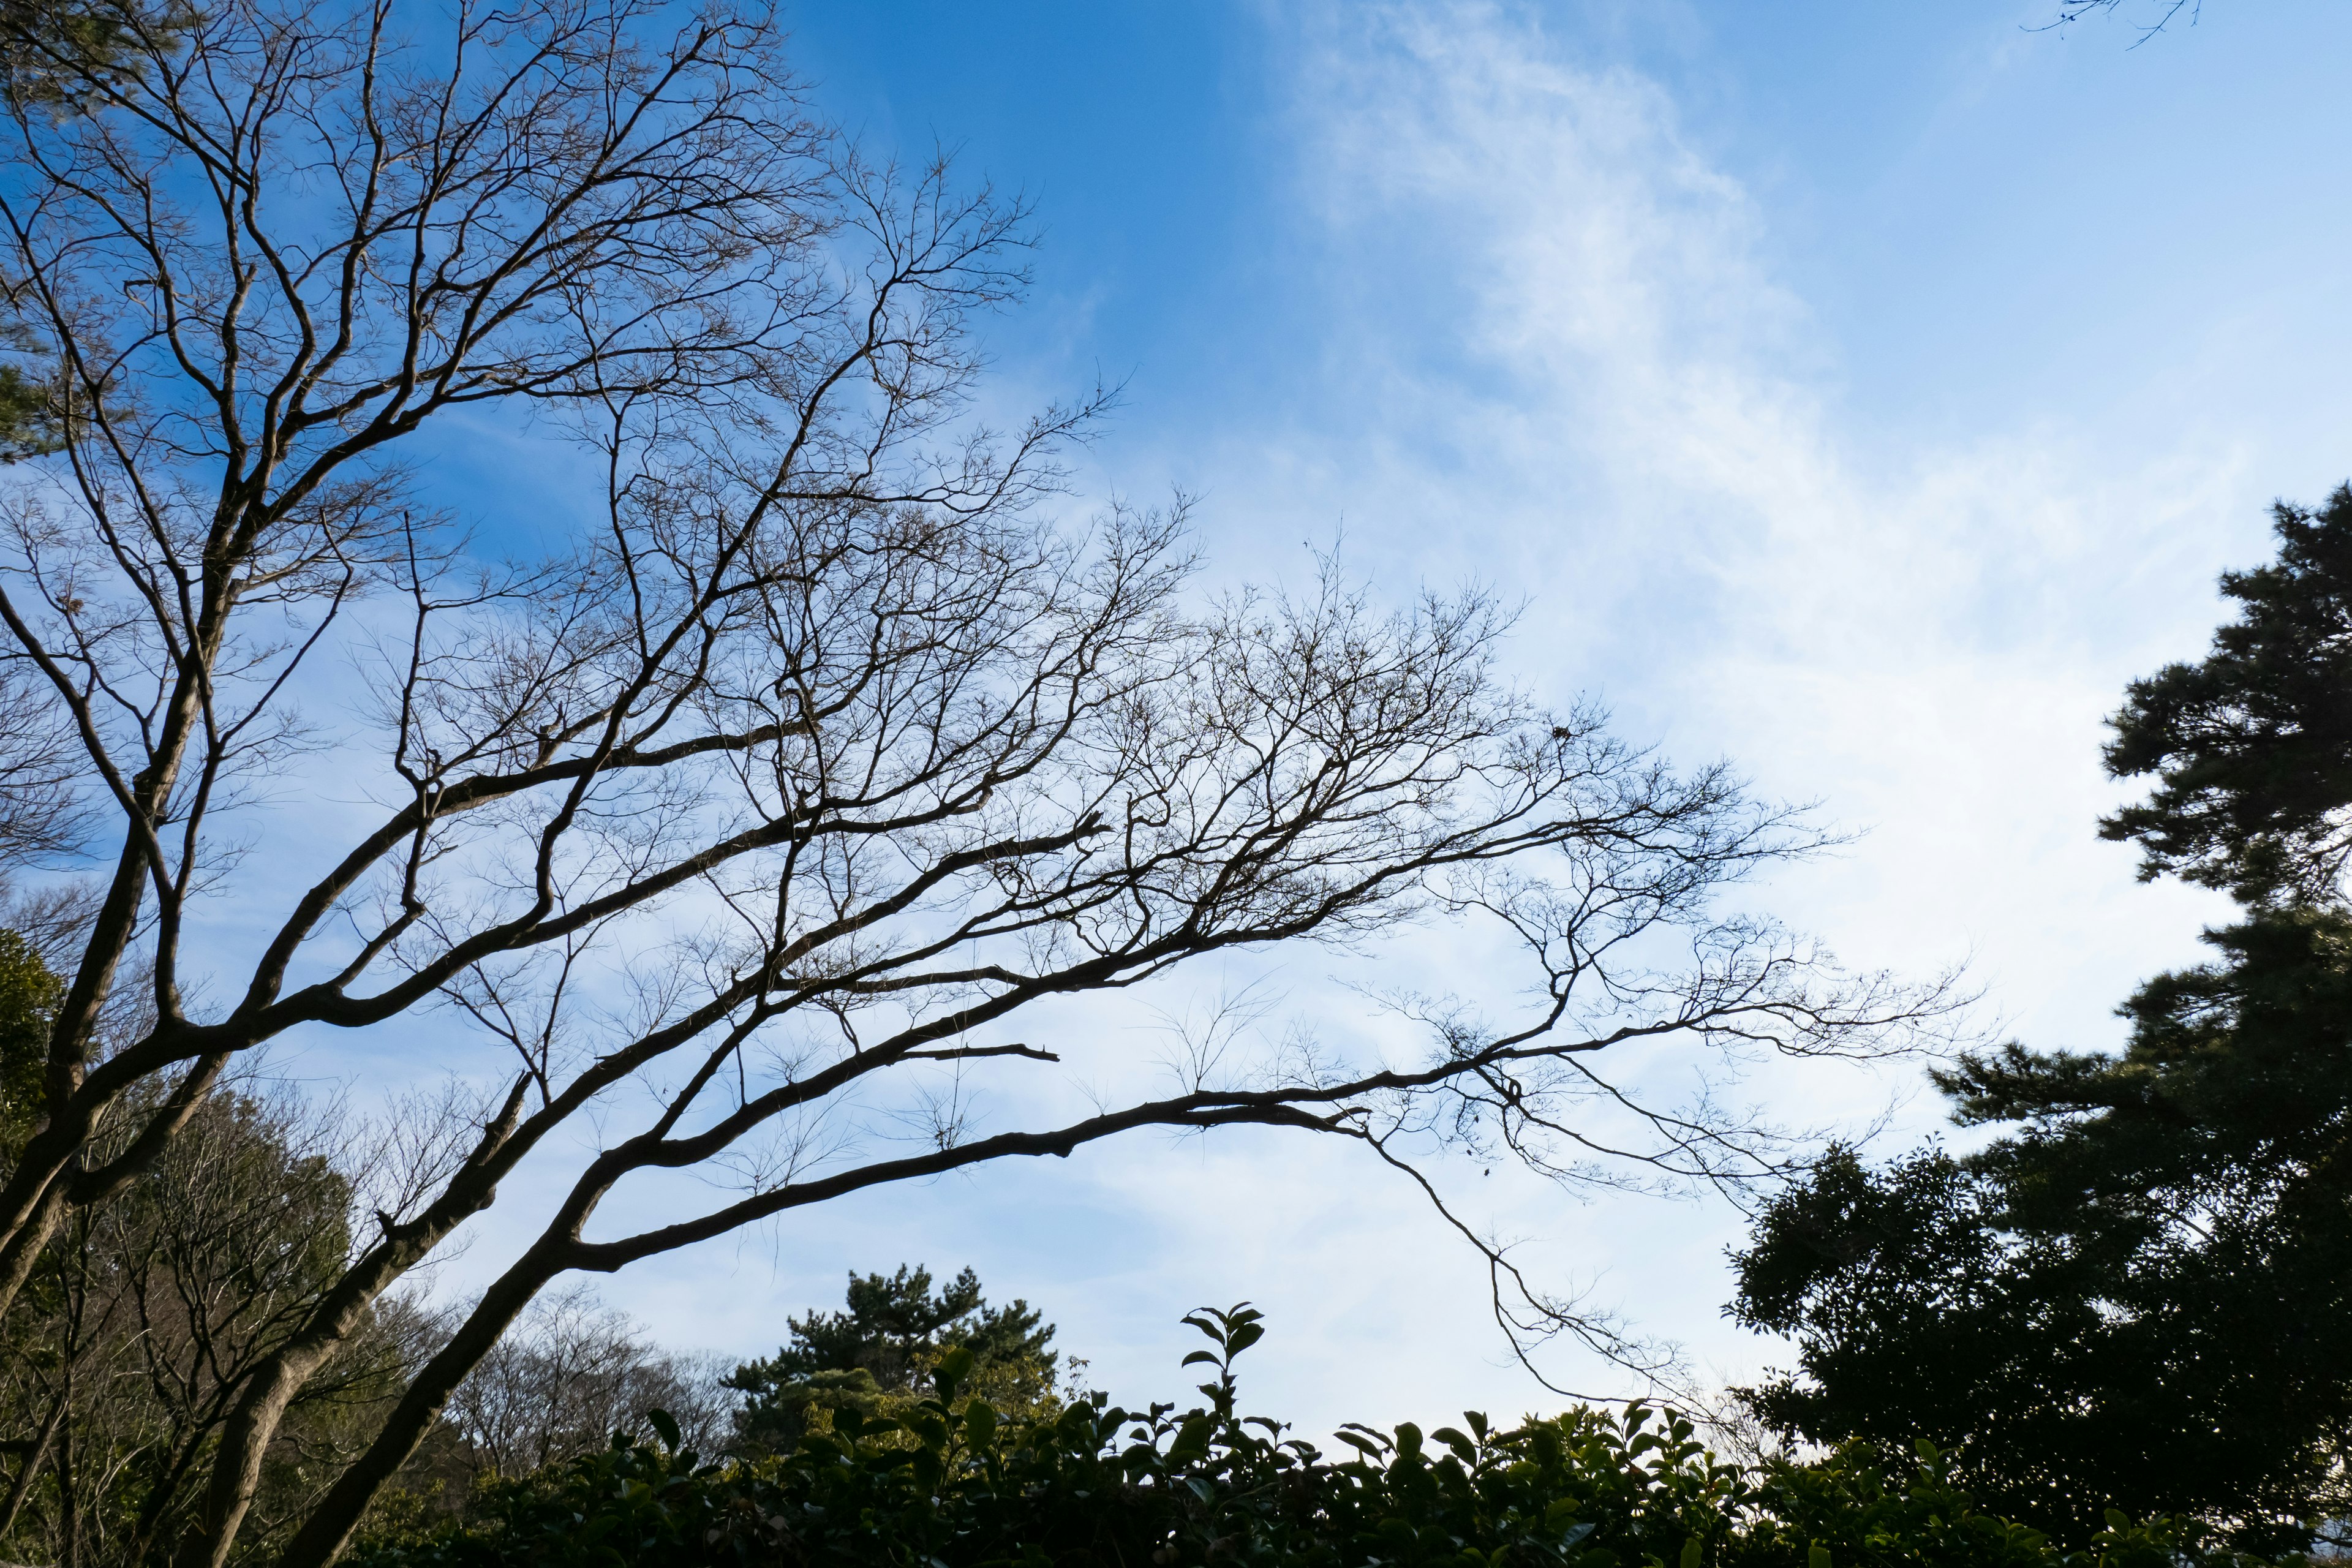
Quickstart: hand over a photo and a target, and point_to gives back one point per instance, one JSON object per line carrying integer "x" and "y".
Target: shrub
{"x": 951, "y": 1484}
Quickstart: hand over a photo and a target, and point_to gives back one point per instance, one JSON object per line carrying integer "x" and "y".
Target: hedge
{"x": 951, "y": 1484}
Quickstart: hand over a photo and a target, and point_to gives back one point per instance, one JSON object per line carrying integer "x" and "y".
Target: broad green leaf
{"x": 665, "y": 1427}
{"x": 979, "y": 1422}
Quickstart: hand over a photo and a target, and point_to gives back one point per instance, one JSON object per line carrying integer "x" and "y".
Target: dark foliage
{"x": 893, "y": 1321}
{"x": 2094, "y": 1366}
{"x": 884, "y": 1346}
{"x": 28, "y": 994}
{"x": 1867, "y": 1270}
{"x": 26, "y": 418}
{"x": 2138, "y": 1294}
{"x": 952, "y": 1484}
{"x": 59, "y": 56}
{"x": 2252, "y": 747}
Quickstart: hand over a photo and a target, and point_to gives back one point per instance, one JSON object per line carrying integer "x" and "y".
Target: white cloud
{"x": 1541, "y": 347}
{"x": 1584, "y": 384}
{"x": 1546, "y": 354}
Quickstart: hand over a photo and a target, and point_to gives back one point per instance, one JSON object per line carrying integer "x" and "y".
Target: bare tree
{"x": 567, "y": 1376}
{"x": 42, "y": 814}
{"x": 131, "y": 1345}
{"x": 811, "y": 758}
{"x": 2151, "y": 17}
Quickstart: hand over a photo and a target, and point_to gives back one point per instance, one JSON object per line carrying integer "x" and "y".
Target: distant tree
{"x": 146, "y": 1319}
{"x": 29, "y": 994}
{"x": 881, "y": 1350}
{"x": 2073, "y": 1356}
{"x": 1864, "y": 1267}
{"x": 565, "y": 1378}
{"x": 893, "y": 1321}
{"x": 2138, "y": 1295}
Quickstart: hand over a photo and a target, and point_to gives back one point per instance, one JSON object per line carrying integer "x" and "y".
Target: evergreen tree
{"x": 2138, "y": 1295}
{"x": 62, "y": 57}
{"x": 28, "y": 994}
{"x": 882, "y": 1350}
{"x": 2252, "y": 747}
{"x": 63, "y": 54}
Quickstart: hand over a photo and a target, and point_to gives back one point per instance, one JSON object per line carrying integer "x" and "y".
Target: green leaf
{"x": 954, "y": 1368}
{"x": 1192, "y": 1437}
{"x": 1817, "y": 1556}
{"x": 1209, "y": 1356}
{"x": 979, "y": 1422}
{"x": 1461, "y": 1446}
{"x": 665, "y": 1427}
{"x": 1691, "y": 1550}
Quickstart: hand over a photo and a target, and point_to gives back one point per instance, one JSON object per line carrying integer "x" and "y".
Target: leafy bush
{"x": 951, "y": 1484}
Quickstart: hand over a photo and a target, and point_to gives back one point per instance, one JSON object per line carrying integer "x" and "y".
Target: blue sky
{"x": 1864, "y": 392}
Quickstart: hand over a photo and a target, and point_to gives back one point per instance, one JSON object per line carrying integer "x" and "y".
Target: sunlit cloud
{"x": 1541, "y": 345}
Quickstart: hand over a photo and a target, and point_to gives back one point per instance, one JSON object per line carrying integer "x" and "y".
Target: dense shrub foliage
{"x": 951, "y": 1484}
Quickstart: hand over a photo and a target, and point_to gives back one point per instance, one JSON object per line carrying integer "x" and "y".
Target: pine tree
{"x": 882, "y": 1349}
{"x": 2138, "y": 1295}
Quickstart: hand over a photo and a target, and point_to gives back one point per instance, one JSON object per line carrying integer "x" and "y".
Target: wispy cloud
{"x": 1547, "y": 351}
{"x": 1574, "y": 373}
{"x": 1536, "y": 338}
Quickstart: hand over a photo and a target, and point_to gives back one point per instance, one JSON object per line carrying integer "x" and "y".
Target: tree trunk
{"x": 329, "y": 1529}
